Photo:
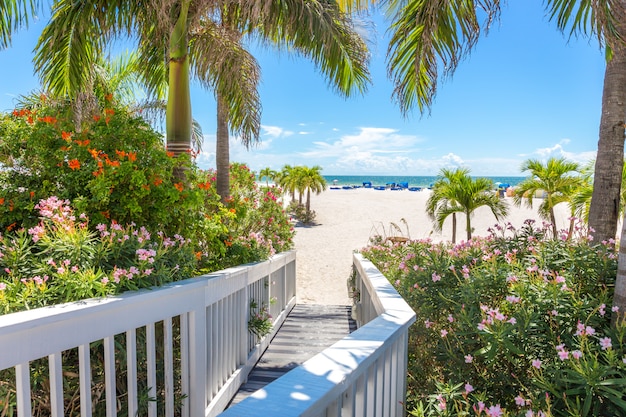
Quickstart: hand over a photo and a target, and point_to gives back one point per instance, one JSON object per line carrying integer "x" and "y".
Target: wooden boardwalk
{"x": 308, "y": 330}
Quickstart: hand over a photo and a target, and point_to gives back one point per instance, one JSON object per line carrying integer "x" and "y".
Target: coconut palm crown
{"x": 456, "y": 192}
{"x": 557, "y": 178}
{"x": 178, "y": 39}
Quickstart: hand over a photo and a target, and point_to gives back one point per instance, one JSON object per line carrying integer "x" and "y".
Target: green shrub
{"x": 513, "y": 324}
{"x": 114, "y": 168}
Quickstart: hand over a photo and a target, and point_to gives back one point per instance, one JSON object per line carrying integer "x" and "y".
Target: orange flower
{"x": 228, "y": 242}
{"x": 109, "y": 112}
{"x": 179, "y": 186}
{"x": 96, "y": 118}
{"x": 74, "y": 164}
{"x": 112, "y": 163}
{"x": 83, "y": 142}
{"x": 32, "y": 194}
{"x": 94, "y": 153}
{"x": 1, "y": 201}
{"x": 170, "y": 154}
{"x": 158, "y": 181}
{"x": 108, "y": 97}
{"x": 106, "y": 214}
{"x": 98, "y": 172}
{"x": 107, "y": 120}
{"x": 132, "y": 156}
{"x": 11, "y": 226}
{"x": 198, "y": 255}
{"x": 65, "y": 148}
{"x": 204, "y": 185}
{"x": 121, "y": 154}
{"x": 145, "y": 187}
{"x": 67, "y": 136}
{"x": 30, "y": 120}
{"x": 48, "y": 119}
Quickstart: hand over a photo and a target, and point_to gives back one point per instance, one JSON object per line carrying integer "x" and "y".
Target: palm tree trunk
{"x": 308, "y": 200}
{"x": 553, "y": 221}
{"x": 453, "y": 228}
{"x": 605, "y": 200}
{"x": 619, "y": 296}
{"x": 222, "y": 150}
{"x": 468, "y": 225}
{"x": 178, "y": 112}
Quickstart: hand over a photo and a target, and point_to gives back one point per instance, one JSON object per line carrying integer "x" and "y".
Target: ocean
{"x": 414, "y": 181}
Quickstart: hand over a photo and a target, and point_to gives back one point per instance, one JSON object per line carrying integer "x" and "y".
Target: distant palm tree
{"x": 456, "y": 192}
{"x": 558, "y": 178}
{"x": 311, "y": 179}
{"x": 269, "y": 174}
{"x": 286, "y": 178}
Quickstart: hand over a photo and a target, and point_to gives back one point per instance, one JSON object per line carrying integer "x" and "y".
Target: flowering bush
{"x": 254, "y": 224}
{"x": 60, "y": 259}
{"x": 114, "y": 168}
{"x": 515, "y": 325}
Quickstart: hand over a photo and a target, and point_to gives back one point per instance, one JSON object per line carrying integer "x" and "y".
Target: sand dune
{"x": 346, "y": 219}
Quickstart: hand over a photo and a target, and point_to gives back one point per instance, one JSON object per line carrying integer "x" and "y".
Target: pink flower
{"x": 602, "y": 310}
{"x": 563, "y": 354}
{"x": 428, "y": 324}
{"x": 3, "y": 286}
{"x": 605, "y": 343}
{"x": 577, "y": 354}
{"x": 512, "y": 320}
{"x": 536, "y": 363}
{"x": 520, "y": 401}
{"x": 436, "y": 277}
{"x": 494, "y": 411}
{"x": 468, "y": 388}
{"x": 469, "y": 358}
{"x": 450, "y": 318}
{"x": 615, "y": 309}
{"x": 513, "y": 299}
{"x": 444, "y": 333}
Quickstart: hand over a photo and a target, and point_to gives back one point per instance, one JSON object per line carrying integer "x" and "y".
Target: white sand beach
{"x": 346, "y": 219}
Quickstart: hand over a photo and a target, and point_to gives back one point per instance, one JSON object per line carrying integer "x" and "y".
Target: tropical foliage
{"x": 515, "y": 324}
{"x": 304, "y": 180}
{"x": 116, "y": 170}
{"x": 456, "y": 192}
{"x": 558, "y": 179}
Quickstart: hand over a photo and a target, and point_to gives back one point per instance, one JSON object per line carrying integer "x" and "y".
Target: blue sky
{"x": 526, "y": 91}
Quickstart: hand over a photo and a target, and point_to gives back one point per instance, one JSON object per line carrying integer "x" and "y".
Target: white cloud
{"x": 558, "y": 151}
{"x": 275, "y": 131}
{"x": 374, "y": 140}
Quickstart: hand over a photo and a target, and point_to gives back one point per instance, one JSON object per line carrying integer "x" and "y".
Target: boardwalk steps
{"x": 308, "y": 330}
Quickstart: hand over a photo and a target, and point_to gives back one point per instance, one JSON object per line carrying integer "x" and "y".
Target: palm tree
{"x": 557, "y": 178}
{"x": 183, "y": 34}
{"x": 269, "y": 174}
{"x": 441, "y": 202}
{"x": 14, "y": 14}
{"x": 311, "y": 179}
{"x": 287, "y": 179}
{"x": 456, "y": 192}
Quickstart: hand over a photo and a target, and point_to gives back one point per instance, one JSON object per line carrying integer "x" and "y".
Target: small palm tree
{"x": 311, "y": 179}
{"x": 269, "y": 174}
{"x": 558, "y": 178}
{"x": 456, "y": 192}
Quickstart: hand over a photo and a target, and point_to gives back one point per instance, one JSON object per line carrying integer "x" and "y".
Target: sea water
{"x": 414, "y": 181}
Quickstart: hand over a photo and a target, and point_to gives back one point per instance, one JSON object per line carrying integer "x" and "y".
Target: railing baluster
{"x": 84, "y": 373}
{"x": 55, "y": 366}
{"x": 168, "y": 365}
{"x": 22, "y": 385}
{"x": 131, "y": 371}
{"x": 184, "y": 363}
{"x": 151, "y": 368}
{"x": 109, "y": 376}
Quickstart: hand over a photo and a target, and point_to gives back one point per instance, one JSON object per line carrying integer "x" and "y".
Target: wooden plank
{"x": 308, "y": 330}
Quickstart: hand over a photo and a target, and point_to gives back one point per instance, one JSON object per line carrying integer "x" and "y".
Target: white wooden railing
{"x": 187, "y": 341}
{"x": 362, "y": 375}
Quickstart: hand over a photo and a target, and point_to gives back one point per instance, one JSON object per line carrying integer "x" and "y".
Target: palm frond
{"x": 426, "y": 34}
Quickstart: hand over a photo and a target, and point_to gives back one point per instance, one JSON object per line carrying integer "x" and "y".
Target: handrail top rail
{"x": 43, "y": 316}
